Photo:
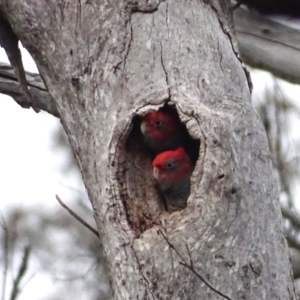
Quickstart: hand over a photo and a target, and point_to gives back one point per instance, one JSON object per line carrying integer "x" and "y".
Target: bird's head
{"x": 159, "y": 125}
{"x": 171, "y": 167}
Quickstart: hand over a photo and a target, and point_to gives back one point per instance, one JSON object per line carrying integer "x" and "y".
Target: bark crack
{"x": 221, "y": 57}
{"x": 144, "y": 277}
{"x": 129, "y": 44}
{"x": 78, "y": 15}
{"x": 167, "y": 17}
{"x": 164, "y": 69}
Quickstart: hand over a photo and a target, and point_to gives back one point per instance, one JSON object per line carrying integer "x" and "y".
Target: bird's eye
{"x": 158, "y": 123}
{"x": 169, "y": 165}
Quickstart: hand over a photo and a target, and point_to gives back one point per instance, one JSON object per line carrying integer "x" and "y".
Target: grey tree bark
{"x": 106, "y": 61}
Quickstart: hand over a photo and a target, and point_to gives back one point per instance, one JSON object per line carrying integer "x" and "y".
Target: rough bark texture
{"x": 105, "y": 62}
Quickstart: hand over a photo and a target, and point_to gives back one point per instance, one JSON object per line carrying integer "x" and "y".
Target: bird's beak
{"x": 143, "y": 127}
{"x": 156, "y": 173}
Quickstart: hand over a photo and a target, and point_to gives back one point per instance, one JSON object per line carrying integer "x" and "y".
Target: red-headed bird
{"x": 172, "y": 171}
{"x": 162, "y": 130}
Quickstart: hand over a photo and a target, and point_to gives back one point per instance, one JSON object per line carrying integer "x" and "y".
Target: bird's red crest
{"x": 171, "y": 123}
{"x": 177, "y": 154}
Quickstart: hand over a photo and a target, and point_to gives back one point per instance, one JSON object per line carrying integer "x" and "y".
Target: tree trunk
{"x": 104, "y": 62}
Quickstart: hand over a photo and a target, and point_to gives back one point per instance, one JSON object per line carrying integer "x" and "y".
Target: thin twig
{"x": 22, "y": 270}
{"x": 5, "y": 251}
{"x": 72, "y": 213}
{"x": 190, "y": 267}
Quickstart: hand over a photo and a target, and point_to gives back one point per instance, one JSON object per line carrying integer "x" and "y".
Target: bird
{"x": 172, "y": 170}
{"x": 162, "y": 130}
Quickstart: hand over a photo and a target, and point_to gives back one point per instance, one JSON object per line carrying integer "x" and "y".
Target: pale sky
{"x": 30, "y": 170}
{"x": 30, "y": 167}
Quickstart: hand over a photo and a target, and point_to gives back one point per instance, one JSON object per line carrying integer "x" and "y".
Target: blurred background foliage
{"x": 60, "y": 246}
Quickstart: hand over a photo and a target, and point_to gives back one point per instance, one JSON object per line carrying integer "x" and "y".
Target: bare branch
{"x": 40, "y": 97}
{"x": 22, "y": 270}
{"x": 295, "y": 260}
{"x": 72, "y": 213}
{"x": 9, "y": 41}
{"x": 292, "y": 241}
{"x": 5, "y": 251}
{"x": 268, "y": 45}
{"x": 291, "y": 216}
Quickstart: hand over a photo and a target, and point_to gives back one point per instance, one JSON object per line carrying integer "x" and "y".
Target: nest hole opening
{"x": 164, "y": 144}
{"x": 140, "y": 169}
